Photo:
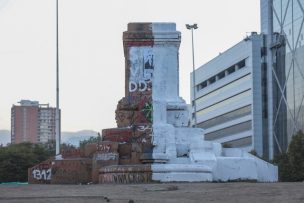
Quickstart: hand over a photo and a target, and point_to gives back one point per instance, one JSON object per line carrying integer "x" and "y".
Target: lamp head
{"x": 189, "y": 27}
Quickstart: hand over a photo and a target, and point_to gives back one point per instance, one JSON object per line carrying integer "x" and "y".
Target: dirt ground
{"x": 169, "y": 192}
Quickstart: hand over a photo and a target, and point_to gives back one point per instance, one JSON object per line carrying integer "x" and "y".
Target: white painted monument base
{"x": 180, "y": 153}
{"x": 192, "y": 159}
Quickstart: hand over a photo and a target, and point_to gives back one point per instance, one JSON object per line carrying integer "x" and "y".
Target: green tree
{"x": 296, "y": 156}
{"x": 285, "y": 172}
{"x": 67, "y": 147}
{"x": 15, "y": 160}
{"x": 92, "y": 139}
{"x": 291, "y": 164}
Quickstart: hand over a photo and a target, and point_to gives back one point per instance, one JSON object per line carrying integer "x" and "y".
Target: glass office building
{"x": 282, "y": 21}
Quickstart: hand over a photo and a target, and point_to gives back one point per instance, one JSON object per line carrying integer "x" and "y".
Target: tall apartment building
{"x": 230, "y": 94}
{"x": 32, "y": 122}
{"x": 282, "y": 21}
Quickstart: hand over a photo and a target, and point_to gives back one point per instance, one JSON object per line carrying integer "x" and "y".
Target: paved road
{"x": 173, "y": 192}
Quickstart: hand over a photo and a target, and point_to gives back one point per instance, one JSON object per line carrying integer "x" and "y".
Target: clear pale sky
{"x": 91, "y": 50}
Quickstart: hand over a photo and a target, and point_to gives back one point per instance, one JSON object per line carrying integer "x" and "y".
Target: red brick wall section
{"x": 117, "y": 134}
{"x": 72, "y": 153}
{"x": 73, "y": 171}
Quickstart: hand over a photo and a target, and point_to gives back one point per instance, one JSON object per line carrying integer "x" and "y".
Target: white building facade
{"x": 231, "y": 97}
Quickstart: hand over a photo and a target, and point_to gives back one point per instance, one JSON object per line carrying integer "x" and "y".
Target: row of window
{"x": 224, "y": 103}
{"x": 222, "y": 74}
{"x": 242, "y": 142}
{"x": 232, "y": 115}
{"x": 228, "y": 87}
{"x": 231, "y": 130}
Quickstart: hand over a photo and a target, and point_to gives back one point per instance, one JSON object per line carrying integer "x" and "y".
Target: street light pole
{"x": 57, "y": 116}
{"x": 193, "y": 27}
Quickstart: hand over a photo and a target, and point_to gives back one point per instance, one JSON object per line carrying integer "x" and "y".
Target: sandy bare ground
{"x": 173, "y": 192}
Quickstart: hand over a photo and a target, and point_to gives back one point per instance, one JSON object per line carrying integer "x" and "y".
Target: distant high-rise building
{"x": 282, "y": 21}
{"x": 32, "y": 122}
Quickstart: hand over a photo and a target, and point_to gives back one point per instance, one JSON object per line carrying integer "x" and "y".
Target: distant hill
{"x": 5, "y": 137}
{"x": 72, "y": 138}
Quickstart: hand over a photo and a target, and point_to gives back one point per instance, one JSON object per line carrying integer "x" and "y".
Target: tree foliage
{"x": 291, "y": 164}
{"x": 15, "y": 159}
{"x": 92, "y": 139}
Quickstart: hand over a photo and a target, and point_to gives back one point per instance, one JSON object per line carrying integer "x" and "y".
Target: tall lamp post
{"x": 57, "y": 116}
{"x": 193, "y": 27}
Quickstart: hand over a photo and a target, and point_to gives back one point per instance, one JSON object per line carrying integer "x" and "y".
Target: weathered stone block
{"x": 117, "y": 134}
{"x": 90, "y": 149}
{"x": 125, "y": 174}
{"x": 235, "y": 168}
{"x": 107, "y": 147}
{"x": 125, "y": 150}
{"x": 178, "y": 114}
{"x": 72, "y": 153}
{"x": 101, "y": 159}
{"x": 72, "y": 171}
{"x": 178, "y": 118}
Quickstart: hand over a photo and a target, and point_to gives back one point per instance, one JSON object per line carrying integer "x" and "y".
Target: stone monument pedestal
{"x": 155, "y": 142}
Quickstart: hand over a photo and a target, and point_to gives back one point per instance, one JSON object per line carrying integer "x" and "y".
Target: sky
{"x": 91, "y": 50}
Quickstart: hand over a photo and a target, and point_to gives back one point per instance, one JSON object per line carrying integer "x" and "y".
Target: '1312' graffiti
{"x": 43, "y": 174}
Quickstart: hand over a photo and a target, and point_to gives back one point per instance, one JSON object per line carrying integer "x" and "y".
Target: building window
{"x": 241, "y": 64}
{"x": 231, "y": 70}
{"x": 212, "y": 80}
{"x": 221, "y": 75}
{"x": 203, "y": 84}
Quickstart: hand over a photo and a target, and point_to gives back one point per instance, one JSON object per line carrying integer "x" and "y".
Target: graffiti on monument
{"x": 143, "y": 128}
{"x": 106, "y": 157}
{"x": 42, "y": 174}
{"x": 148, "y": 64}
{"x": 105, "y": 148}
{"x": 146, "y": 110}
{"x": 141, "y": 69}
{"x": 135, "y": 111}
{"x": 142, "y": 133}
